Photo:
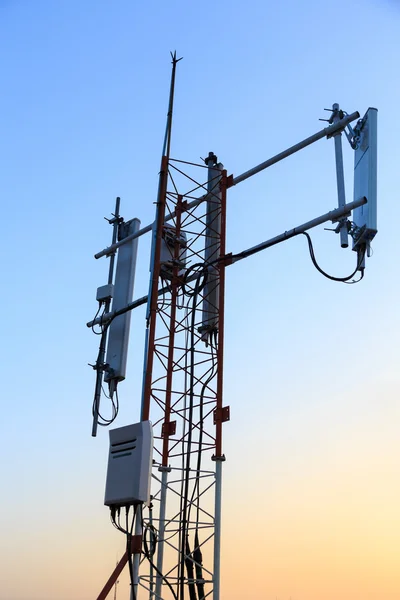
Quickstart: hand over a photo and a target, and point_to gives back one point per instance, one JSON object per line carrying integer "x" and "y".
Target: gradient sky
{"x": 311, "y": 481}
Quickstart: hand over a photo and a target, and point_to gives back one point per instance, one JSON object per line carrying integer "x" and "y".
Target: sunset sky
{"x": 311, "y": 486}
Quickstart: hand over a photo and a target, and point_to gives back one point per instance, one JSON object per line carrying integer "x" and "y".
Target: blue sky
{"x": 312, "y": 372}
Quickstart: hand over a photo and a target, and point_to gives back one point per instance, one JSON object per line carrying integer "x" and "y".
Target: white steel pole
{"x": 344, "y": 236}
{"x": 161, "y": 530}
{"x": 327, "y": 132}
{"x": 217, "y": 528}
{"x": 333, "y": 216}
{"x": 136, "y": 557}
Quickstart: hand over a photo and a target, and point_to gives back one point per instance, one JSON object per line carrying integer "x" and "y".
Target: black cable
{"x": 197, "y": 554}
{"x": 153, "y": 540}
{"x": 203, "y": 271}
{"x": 129, "y": 547}
{"x": 149, "y": 557}
{"x": 95, "y": 317}
{"x": 115, "y": 410}
{"x": 113, "y": 512}
{"x": 128, "y": 531}
{"x": 200, "y": 282}
{"x": 355, "y": 280}
{"x": 99, "y": 367}
{"x": 198, "y": 560}
{"x": 361, "y": 256}
{"x": 201, "y": 430}
{"x": 190, "y": 572}
{"x": 184, "y": 431}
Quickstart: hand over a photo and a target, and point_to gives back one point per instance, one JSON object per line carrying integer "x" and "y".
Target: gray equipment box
{"x": 129, "y": 465}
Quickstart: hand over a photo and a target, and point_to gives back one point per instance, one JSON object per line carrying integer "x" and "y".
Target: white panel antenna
{"x": 118, "y": 339}
{"x": 365, "y": 178}
{"x": 212, "y": 247}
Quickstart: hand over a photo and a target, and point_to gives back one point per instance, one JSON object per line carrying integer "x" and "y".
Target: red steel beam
{"x": 154, "y": 287}
{"x": 174, "y": 297}
{"x": 113, "y": 577}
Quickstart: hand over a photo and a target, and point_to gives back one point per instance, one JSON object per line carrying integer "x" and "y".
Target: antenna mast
{"x": 176, "y": 542}
{"x": 182, "y": 386}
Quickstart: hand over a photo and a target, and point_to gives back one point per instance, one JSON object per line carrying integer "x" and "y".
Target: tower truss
{"x": 183, "y": 381}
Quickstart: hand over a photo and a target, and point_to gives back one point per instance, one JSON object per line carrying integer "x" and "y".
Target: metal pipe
{"x": 136, "y": 556}
{"x": 161, "y": 530}
{"x": 344, "y": 236}
{"x": 145, "y": 352}
{"x": 114, "y": 238}
{"x": 103, "y": 338}
{"x": 151, "y": 574}
{"x": 217, "y": 529}
{"x": 154, "y": 290}
{"x": 219, "y": 457}
{"x": 333, "y": 215}
{"x": 328, "y": 131}
{"x": 221, "y": 323}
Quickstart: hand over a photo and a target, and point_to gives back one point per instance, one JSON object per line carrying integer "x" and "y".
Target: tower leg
{"x": 161, "y": 531}
{"x": 136, "y": 557}
{"x": 217, "y": 528}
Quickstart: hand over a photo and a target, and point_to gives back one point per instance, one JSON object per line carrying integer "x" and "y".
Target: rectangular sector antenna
{"x": 365, "y": 178}
{"x": 117, "y": 348}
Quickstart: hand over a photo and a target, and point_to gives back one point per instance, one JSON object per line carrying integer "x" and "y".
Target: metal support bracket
{"x": 136, "y": 544}
{"x": 168, "y": 429}
{"x": 222, "y": 414}
{"x": 229, "y": 181}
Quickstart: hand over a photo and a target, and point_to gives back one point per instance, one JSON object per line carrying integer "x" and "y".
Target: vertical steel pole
{"x": 161, "y": 530}
{"x": 153, "y": 294}
{"x": 103, "y": 340}
{"x": 217, "y": 529}
{"x": 151, "y": 578}
{"x": 167, "y": 410}
{"x": 221, "y": 323}
{"x": 219, "y": 457}
{"x": 136, "y": 556}
{"x": 156, "y": 249}
{"x": 344, "y": 237}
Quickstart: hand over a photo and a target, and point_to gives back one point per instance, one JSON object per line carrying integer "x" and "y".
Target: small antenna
{"x": 116, "y": 583}
{"x": 167, "y": 138}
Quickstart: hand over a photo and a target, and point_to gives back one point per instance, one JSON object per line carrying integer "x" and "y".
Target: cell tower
{"x": 164, "y": 477}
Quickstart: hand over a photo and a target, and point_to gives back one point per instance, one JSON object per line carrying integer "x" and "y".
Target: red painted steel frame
{"x": 154, "y": 287}
{"x": 183, "y": 383}
{"x": 174, "y": 296}
{"x": 179, "y": 374}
